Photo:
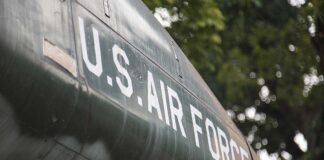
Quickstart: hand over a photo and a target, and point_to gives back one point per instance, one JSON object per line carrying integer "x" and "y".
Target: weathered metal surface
{"x": 130, "y": 99}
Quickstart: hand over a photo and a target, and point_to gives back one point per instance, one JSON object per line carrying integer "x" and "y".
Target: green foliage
{"x": 197, "y": 30}
{"x": 264, "y": 45}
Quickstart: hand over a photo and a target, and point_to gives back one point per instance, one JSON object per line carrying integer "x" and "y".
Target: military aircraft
{"x": 103, "y": 80}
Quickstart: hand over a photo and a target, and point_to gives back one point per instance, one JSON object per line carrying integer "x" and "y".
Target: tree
{"x": 196, "y": 28}
{"x": 266, "y": 66}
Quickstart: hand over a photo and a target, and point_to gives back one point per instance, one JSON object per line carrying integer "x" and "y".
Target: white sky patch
{"x": 296, "y": 3}
{"x": 260, "y": 117}
{"x": 301, "y": 141}
{"x": 250, "y": 138}
{"x": 231, "y": 113}
{"x": 250, "y": 112}
{"x": 264, "y": 92}
{"x": 260, "y": 81}
{"x": 286, "y": 155}
{"x": 164, "y": 17}
{"x": 318, "y": 58}
{"x": 252, "y": 75}
{"x": 310, "y": 80}
{"x": 312, "y": 28}
{"x": 252, "y": 115}
{"x": 265, "y": 96}
{"x": 264, "y": 155}
{"x": 278, "y": 74}
{"x": 241, "y": 117}
{"x": 291, "y": 48}
{"x": 264, "y": 141}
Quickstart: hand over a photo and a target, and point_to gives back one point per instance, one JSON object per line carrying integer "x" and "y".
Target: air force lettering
{"x": 163, "y": 100}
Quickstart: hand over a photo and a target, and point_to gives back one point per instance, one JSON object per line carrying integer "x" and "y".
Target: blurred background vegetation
{"x": 264, "y": 60}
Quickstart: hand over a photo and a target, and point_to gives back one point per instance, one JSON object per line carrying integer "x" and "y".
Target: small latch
{"x": 177, "y": 60}
{"x": 106, "y": 8}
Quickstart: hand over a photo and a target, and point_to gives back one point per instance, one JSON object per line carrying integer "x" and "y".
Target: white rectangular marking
{"x": 60, "y": 57}
{"x": 140, "y": 101}
{"x": 109, "y": 81}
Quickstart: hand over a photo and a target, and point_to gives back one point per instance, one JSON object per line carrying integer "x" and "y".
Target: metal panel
{"x": 122, "y": 126}
{"x": 50, "y": 114}
{"x": 134, "y": 22}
